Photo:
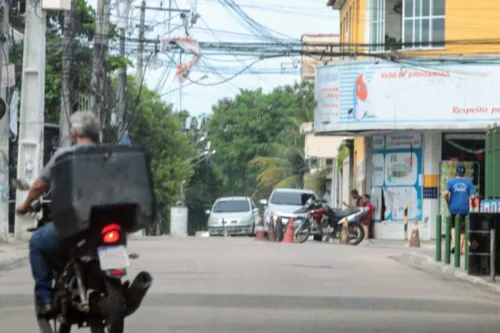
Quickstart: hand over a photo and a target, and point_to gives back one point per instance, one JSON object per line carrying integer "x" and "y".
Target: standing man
{"x": 357, "y": 199}
{"x": 458, "y": 192}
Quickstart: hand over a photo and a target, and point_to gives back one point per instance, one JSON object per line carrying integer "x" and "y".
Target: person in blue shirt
{"x": 459, "y": 191}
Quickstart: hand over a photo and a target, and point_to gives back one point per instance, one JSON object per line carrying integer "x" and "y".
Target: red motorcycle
{"x": 329, "y": 222}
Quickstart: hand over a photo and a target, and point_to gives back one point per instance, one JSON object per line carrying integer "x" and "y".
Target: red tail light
{"x": 111, "y": 233}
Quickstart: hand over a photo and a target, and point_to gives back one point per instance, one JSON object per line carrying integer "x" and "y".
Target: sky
{"x": 291, "y": 18}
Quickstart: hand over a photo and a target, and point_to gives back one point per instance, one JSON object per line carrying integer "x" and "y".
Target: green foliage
{"x": 252, "y": 129}
{"x": 281, "y": 163}
{"x": 156, "y": 127}
{"x": 343, "y": 153}
{"x": 80, "y": 76}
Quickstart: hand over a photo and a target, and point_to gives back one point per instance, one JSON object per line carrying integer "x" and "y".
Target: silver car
{"x": 283, "y": 203}
{"x": 238, "y": 215}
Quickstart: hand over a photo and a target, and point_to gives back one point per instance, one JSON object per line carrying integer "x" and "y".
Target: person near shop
{"x": 358, "y": 199}
{"x": 368, "y": 220}
{"x": 459, "y": 190}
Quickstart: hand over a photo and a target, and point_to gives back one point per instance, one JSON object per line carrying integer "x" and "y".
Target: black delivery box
{"x": 102, "y": 175}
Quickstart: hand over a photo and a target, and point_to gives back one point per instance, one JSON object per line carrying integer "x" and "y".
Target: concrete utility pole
{"x": 99, "y": 63}
{"x": 67, "y": 64}
{"x": 4, "y": 124}
{"x": 122, "y": 99}
{"x": 30, "y": 150}
{"x": 140, "y": 51}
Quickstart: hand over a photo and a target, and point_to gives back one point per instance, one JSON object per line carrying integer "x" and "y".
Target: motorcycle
{"x": 88, "y": 288}
{"x": 329, "y": 222}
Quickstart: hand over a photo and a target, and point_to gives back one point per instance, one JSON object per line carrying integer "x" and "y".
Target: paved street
{"x": 239, "y": 285}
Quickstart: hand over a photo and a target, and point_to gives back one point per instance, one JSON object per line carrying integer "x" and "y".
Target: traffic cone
{"x": 344, "y": 234}
{"x": 260, "y": 234}
{"x": 289, "y": 233}
{"x": 415, "y": 238}
{"x": 270, "y": 231}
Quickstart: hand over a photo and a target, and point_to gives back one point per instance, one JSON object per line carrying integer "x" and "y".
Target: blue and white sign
{"x": 384, "y": 95}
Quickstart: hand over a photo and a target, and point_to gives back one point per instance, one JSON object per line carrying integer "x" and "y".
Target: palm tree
{"x": 282, "y": 164}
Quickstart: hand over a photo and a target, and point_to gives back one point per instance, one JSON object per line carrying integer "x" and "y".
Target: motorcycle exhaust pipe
{"x": 136, "y": 292}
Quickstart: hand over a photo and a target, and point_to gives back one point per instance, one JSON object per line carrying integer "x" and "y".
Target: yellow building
{"x": 421, "y": 26}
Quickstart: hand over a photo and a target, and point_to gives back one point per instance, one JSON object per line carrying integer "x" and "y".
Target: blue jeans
{"x": 44, "y": 242}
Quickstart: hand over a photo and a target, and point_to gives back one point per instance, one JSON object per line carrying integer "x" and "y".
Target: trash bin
{"x": 479, "y": 243}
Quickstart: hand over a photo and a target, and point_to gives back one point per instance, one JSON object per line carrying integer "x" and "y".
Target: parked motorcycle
{"x": 88, "y": 272}
{"x": 329, "y": 222}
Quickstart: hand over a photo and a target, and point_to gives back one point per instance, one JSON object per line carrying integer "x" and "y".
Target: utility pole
{"x": 4, "y": 123}
{"x": 30, "y": 149}
{"x": 142, "y": 28}
{"x": 67, "y": 90}
{"x": 122, "y": 100}
{"x": 140, "y": 52}
{"x": 99, "y": 63}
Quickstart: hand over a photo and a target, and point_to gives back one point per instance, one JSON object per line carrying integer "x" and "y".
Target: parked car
{"x": 283, "y": 203}
{"x": 239, "y": 215}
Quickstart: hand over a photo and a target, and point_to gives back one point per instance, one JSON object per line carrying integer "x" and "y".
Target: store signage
{"x": 364, "y": 95}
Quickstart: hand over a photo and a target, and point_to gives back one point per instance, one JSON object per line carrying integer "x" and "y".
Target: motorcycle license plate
{"x": 113, "y": 257}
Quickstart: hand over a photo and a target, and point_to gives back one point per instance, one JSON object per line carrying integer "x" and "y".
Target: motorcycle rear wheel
{"x": 360, "y": 232}
{"x": 115, "y": 323}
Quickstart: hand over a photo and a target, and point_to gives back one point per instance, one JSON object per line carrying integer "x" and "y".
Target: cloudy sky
{"x": 285, "y": 19}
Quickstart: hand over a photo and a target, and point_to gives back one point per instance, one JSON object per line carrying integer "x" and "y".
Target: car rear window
{"x": 290, "y": 198}
{"x": 231, "y": 206}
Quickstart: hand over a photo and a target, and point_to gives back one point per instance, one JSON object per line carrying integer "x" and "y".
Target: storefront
{"x": 419, "y": 121}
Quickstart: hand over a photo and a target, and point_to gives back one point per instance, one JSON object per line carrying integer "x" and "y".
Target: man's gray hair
{"x": 86, "y": 125}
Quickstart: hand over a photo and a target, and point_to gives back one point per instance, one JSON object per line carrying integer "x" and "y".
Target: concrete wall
{"x": 308, "y": 63}
{"x": 322, "y": 146}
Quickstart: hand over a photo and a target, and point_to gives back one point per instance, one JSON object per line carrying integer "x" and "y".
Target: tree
{"x": 247, "y": 126}
{"x": 153, "y": 124}
{"x": 282, "y": 163}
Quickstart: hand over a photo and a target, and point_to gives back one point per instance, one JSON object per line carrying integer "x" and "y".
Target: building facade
{"x": 316, "y": 43}
{"x": 418, "y": 107}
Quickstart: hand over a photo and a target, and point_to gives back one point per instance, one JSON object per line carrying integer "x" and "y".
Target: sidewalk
{"x": 13, "y": 254}
{"x": 423, "y": 258}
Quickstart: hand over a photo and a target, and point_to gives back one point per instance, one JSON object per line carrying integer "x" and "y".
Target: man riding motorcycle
{"x": 85, "y": 129}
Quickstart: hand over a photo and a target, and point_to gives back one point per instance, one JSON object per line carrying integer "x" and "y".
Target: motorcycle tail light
{"x": 111, "y": 233}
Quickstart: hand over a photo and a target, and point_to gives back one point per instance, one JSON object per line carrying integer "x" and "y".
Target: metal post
{"x": 466, "y": 252}
{"x": 4, "y": 123}
{"x": 406, "y": 223}
{"x": 438, "y": 238}
{"x": 492, "y": 254}
{"x": 224, "y": 230}
{"x": 447, "y": 240}
{"x": 30, "y": 149}
{"x": 457, "y": 242}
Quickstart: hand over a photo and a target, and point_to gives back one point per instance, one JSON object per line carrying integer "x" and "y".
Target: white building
{"x": 419, "y": 118}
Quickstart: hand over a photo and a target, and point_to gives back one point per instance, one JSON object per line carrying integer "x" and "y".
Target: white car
{"x": 239, "y": 215}
{"x": 283, "y": 203}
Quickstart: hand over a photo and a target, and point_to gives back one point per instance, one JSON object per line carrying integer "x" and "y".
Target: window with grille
{"x": 423, "y": 23}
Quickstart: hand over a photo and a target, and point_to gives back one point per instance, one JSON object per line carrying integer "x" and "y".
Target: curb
{"x": 422, "y": 261}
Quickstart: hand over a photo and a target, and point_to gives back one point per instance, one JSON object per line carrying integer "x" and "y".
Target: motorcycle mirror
{"x": 20, "y": 184}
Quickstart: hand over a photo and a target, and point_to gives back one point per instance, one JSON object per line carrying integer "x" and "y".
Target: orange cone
{"x": 260, "y": 234}
{"x": 270, "y": 230}
{"x": 289, "y": 233}
{"x": 415, "y": 238}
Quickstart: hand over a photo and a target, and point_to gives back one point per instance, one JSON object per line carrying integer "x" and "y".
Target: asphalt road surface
{"x": 238, "y": 285}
